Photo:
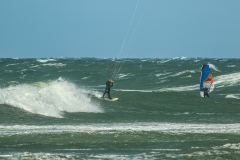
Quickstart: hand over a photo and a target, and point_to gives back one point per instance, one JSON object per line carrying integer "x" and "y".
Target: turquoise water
{"x": 50, "y": 109}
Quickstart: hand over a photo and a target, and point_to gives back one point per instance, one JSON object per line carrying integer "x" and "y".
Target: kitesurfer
{"x": 205, "y": 90}
{"x": 109, "y": 84}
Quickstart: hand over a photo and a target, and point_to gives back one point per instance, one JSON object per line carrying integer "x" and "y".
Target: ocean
{"x": 51, "y": 109}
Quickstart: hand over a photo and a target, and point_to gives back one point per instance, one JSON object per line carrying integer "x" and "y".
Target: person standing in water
{"x": 205, "y": 90}
{"x": 109, "y": 84}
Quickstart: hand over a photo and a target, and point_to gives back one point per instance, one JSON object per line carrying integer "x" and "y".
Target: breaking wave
{"x": 49, "y": 99}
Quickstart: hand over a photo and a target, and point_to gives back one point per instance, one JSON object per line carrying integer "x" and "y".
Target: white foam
{"x": 183, "y": 58}
{"x": 49, "y": 99}
{"x": 86, "y": 77}
{"x": 45, "y": 60}
{"x": 174, "y": 75}
{"x": 174, "y": 128}
{"x": 227, "y": 80}
{"x": 12, "y": 64}
{"x": 164, "y": 61}
{"x": 180, "y": 58}
{"x": 230, "y": 146}
{"x": 162, "y": 74}
{"x": 231, "y": 65}
{"x": 187, "y": 76}
{"x": 6, "y": 156}
{"x": 55, "y": 64}
{"x": 124, "y": 76}
{"x": 175, "y": 58}
{"x": 36, "y": 66}
{"x": 183, "y": 72}
{"x": 196, "y": 60}
{"x": 49, "y": 64}
{"x": 235, "y": 96}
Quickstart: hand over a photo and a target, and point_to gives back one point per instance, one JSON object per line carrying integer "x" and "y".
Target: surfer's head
{"x": 110, "y": 81}
{"x": 203, "y": 65}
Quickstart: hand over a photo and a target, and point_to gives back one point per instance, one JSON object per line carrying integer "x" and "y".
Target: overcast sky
{"x": 120, "y": 28}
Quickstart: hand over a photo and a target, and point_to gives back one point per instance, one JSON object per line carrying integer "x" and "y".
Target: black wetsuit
{"x": 205, "y": 90}
{"x": 107, "y": 89}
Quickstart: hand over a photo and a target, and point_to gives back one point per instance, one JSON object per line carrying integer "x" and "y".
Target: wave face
{"x": 48, "y": 99}
{"x": 51, "y": 109}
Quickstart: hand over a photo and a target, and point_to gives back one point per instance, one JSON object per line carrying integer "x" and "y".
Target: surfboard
{"x": 113, "y": 99}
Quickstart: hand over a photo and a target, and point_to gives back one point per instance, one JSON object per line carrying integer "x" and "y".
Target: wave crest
{"x": 49, "y": 99}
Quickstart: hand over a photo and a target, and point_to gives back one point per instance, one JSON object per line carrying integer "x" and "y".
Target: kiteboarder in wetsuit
{"x": 205, "y": 90}
{"x": 109, "y": 84}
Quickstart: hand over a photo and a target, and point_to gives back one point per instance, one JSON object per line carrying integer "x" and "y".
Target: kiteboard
{"x": 113, "y": 99}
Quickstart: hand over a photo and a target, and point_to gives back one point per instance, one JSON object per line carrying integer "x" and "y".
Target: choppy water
{"x": 50, "y": 109}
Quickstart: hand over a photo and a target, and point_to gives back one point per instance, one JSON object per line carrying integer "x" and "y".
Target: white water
{"x": 227, "y": 80}
{"x": 174, "y": 128}
{"x": 49, "y": 99}
{"x": 235, "y": 96}
{"x": 221, "y": 81}
{"x": 46, "y": 60}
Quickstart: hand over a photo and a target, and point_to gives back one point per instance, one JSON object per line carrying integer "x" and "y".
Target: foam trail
{"x": 235, "y": 96}
{"x": 174, "y": 128}
{"x": 49, "y": 99}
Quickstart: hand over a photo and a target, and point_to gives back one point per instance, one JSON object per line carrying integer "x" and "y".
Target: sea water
{"x": 50, "y": 109}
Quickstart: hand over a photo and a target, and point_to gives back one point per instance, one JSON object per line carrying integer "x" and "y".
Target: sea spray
{"x": 49, "y": 99}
